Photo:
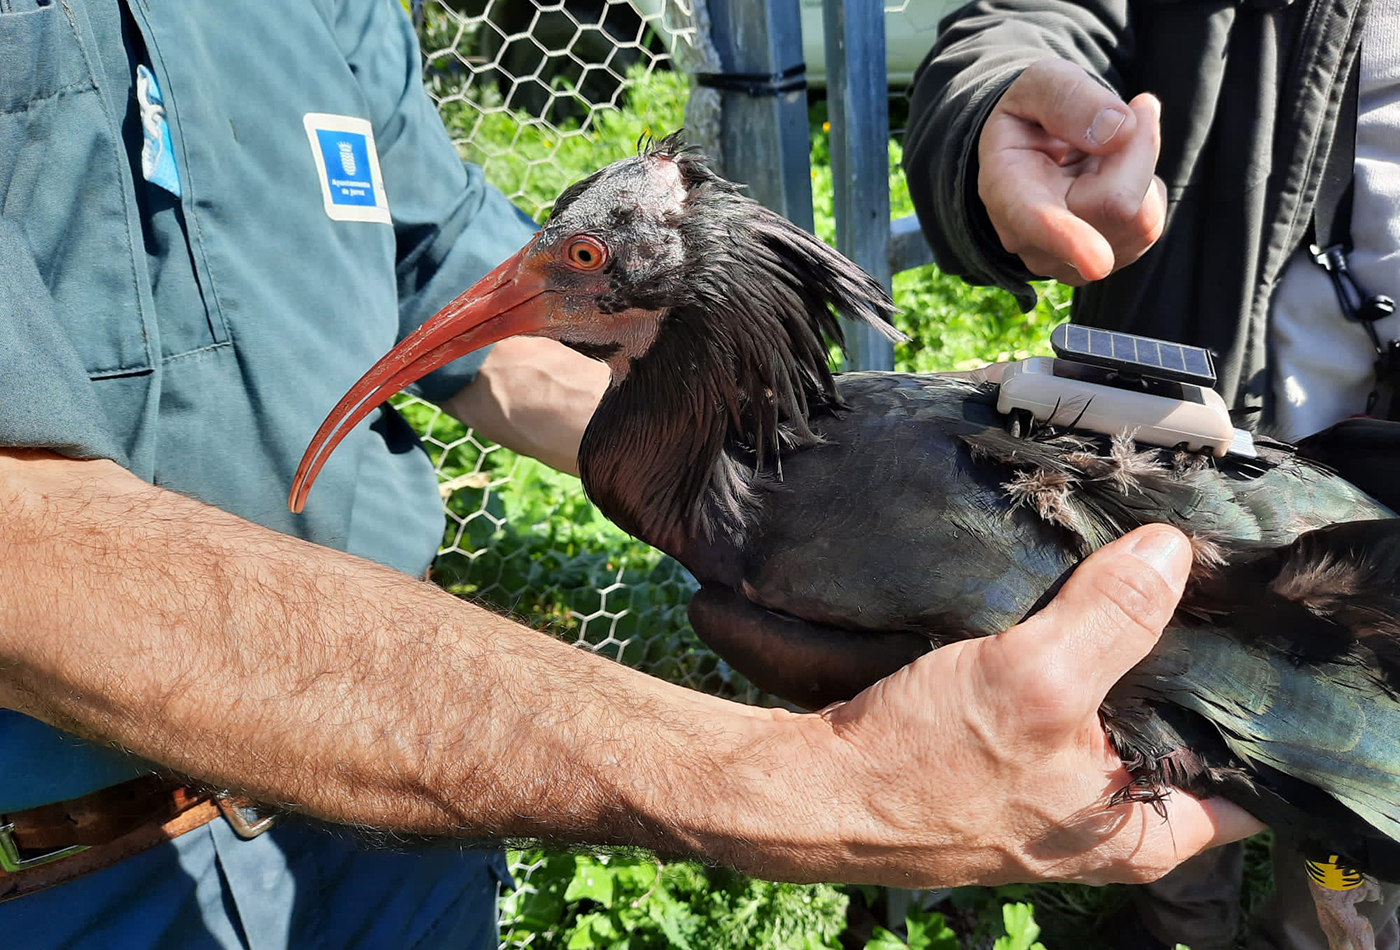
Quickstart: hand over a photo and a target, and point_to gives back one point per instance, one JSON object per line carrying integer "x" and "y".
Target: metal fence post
{"x": 763, "y": 138}
{"x": 858, "y": 105}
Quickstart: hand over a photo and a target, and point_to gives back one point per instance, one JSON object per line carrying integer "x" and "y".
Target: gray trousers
{"x": 1198, "y": 905}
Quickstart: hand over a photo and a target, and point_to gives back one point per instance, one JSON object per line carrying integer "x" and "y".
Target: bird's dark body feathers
{"x": 1279, "y": 672}
{"x": 840, "y": 526}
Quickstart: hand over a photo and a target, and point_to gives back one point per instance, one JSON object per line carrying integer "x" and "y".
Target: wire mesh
{"x": 531, "y": 91}
{"x": 523, "y": 539}
{"x": 520, "y": 81}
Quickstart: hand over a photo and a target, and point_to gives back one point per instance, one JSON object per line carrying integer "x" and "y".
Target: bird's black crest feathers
{"x": 784, "y": 290}
{"x": 755, "y": 377}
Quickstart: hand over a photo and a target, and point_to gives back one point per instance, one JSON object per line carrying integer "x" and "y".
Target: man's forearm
{"x": 301, "y": 675}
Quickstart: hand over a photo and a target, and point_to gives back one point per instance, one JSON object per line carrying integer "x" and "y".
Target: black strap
{"x": 1332, "y": 217}
{"x": 756, "y": 84}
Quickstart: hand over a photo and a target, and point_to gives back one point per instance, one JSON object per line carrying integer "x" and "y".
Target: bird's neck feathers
{"x": 679, "y": 447}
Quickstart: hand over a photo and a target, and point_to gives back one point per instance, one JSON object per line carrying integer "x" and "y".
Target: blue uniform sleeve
{"x": 47, "y": 400}
{"x": 450, "y": 225}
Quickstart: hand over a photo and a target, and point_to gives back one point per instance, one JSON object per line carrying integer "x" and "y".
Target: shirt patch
{"x": 157, "y": 153}
{"x": 342, "y": 148}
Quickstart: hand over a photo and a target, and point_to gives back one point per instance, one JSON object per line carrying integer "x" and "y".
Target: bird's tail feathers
{"x": 1342, "y": 582}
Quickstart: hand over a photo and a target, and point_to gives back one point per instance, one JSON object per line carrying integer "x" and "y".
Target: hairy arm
{"x": 312, "y": 678}
{"x": 309, "y": 677}
{"x": 534, "y": 396}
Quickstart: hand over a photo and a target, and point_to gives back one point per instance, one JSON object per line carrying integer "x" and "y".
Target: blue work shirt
{"x": 199, "y": 339}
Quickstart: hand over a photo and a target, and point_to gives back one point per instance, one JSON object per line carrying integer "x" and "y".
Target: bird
{"x": 842, "y": 524}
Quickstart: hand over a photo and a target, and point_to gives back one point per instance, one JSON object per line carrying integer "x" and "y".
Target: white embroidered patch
{"x": 342, "y": 148}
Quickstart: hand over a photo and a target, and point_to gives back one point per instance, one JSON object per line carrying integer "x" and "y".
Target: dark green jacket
{"x": 1249, "y": 93}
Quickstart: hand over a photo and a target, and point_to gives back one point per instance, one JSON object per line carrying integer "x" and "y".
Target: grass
{"x": 523, "y": 539}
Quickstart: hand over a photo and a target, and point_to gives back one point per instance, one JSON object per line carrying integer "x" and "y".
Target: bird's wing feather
{"x": 1330, "y": 725}
{"x": 1293, "y": 654}
{"x": 890, "y": 525}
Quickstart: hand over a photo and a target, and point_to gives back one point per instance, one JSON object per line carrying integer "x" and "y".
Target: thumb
{"x": 1071, "y": 105}
{"x": 1111, "y": 611}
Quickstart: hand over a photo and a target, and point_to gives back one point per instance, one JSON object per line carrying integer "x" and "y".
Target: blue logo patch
{"x": 157, "y": 153}
{"x": 348, "y": 166}
{"x": 346, "y": 155}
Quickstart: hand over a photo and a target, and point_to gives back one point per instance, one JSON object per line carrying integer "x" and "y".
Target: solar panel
{"x": 1133, "y": 355}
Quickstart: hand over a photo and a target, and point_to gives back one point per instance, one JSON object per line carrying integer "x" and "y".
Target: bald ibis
{"x": 840, "y": 526}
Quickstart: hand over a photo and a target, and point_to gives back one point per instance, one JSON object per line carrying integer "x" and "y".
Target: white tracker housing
{"x": 1198, "y": 419}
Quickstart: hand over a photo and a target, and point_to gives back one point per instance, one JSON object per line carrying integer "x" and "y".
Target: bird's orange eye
{"x": 585, "y": 253}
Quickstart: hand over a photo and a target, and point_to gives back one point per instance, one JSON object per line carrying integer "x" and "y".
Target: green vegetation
{"x": 623, "y": 901}
{"x": 627, "y": 902}
{"x": 524, "y": 540}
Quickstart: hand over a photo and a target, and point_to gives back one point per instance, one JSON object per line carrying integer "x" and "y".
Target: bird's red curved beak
{"x": 502, "y": 304}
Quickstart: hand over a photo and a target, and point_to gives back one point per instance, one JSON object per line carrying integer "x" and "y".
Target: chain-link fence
{"x": 528, "y": 88}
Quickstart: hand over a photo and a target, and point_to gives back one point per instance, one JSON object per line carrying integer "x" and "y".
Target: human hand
{"x": 985, "y": 762}
{"x": 534, "y": 396}
{"x": 1067, "y": 173}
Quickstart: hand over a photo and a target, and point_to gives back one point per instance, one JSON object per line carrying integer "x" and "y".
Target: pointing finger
{"x": 1071, "y": 105}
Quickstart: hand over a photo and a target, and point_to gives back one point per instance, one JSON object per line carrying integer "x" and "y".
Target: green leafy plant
{"x": 1021, "y": 929}
{"x": 924, "y": 930}
{"x": 616, "y": 901}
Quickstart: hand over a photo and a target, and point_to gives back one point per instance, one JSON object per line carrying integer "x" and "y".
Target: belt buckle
{"x": 247, "y": 818}
{"x": 10, "y": 860}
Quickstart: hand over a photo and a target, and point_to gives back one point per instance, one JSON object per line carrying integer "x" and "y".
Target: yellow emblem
{"x": 1333, "y": 875}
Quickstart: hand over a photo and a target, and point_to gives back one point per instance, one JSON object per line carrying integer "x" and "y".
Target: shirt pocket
{"x": 64, "y": 180}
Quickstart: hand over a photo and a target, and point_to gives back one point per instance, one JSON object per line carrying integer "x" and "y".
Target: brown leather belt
{"x": 51, "y": 844}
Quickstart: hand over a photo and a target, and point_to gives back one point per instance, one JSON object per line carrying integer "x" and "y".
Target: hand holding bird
{"x": 1008, "y": 739}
